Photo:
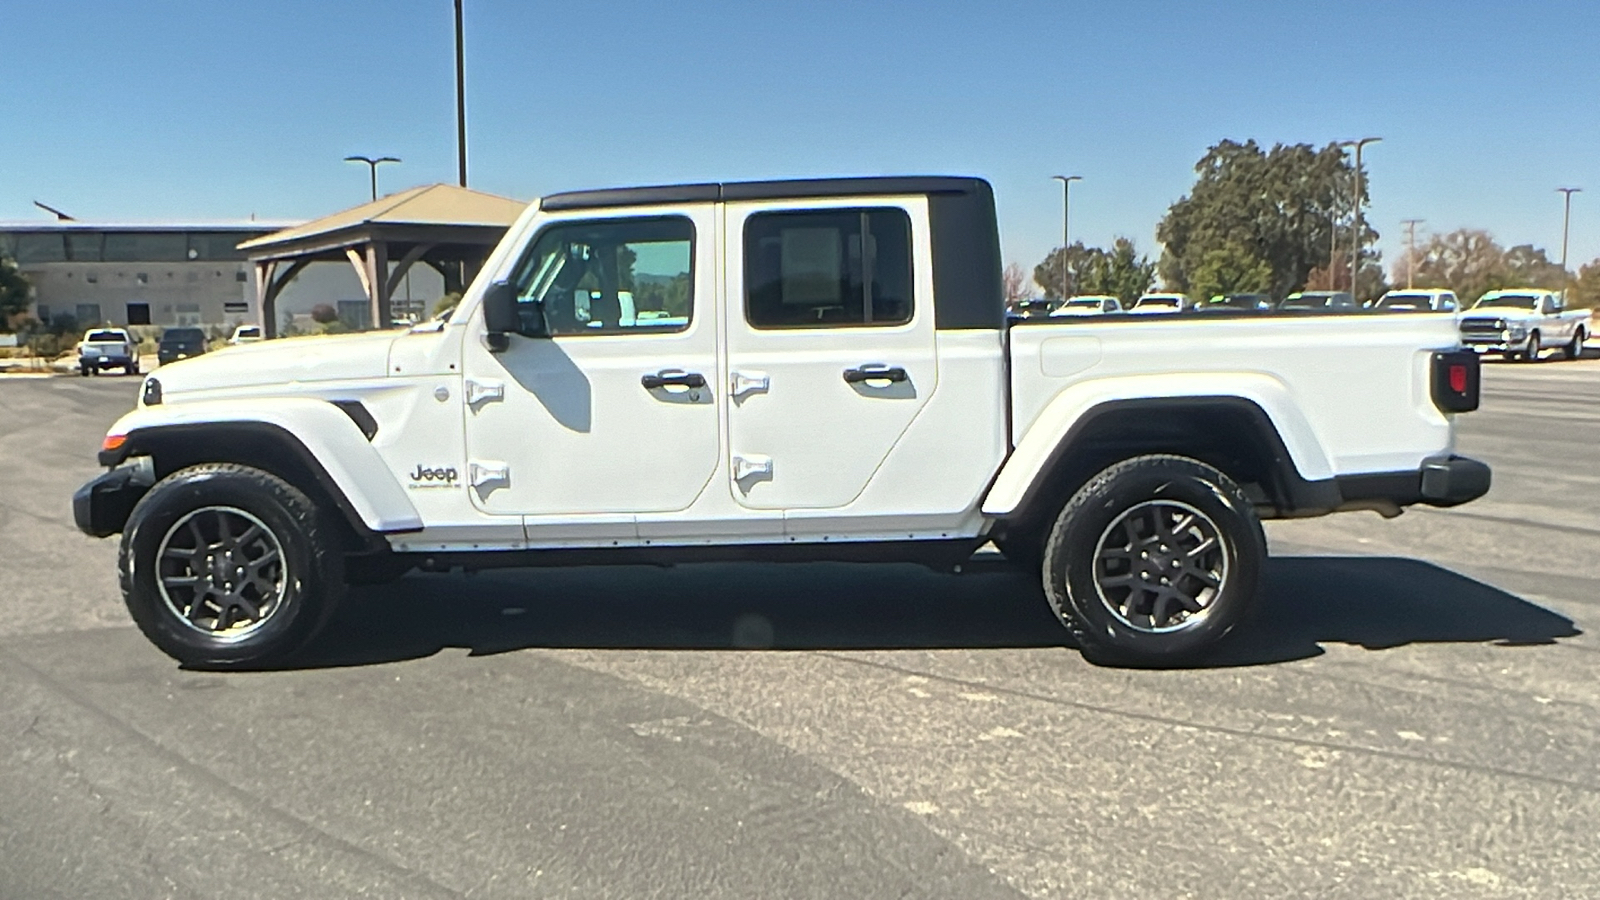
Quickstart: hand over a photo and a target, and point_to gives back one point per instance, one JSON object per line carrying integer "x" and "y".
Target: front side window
{"x": 828, "y": 268}
{"x": 617, "y": 276}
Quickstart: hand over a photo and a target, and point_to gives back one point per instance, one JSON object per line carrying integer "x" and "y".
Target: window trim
{"x": 866, "y": 274}
{"x": 532, "y": 244}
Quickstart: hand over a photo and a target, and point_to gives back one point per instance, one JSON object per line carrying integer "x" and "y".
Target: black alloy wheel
{"x": 1153, "y": 562}
{"x": 227, "y": 566}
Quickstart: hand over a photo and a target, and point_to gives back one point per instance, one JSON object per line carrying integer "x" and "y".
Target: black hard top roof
{"x": 794, "y": 189}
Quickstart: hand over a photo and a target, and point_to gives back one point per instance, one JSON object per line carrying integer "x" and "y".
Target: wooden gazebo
{"x": 447, "y": 228}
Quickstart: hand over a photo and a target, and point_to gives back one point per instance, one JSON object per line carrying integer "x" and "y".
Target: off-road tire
{"x": 1069, "y": 569}
{"x": 310, "y": 582}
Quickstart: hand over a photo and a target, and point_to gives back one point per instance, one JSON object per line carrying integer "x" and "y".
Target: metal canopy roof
{"x": 435, "y": 212}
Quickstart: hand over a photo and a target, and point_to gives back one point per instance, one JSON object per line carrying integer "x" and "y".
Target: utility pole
{"x": 1066, "y": 211}
{"x": 461, "y": 100}
{"x": 1355, "y": 257}
{"x": 1566, "y": 223}
{"x": 1411, "y": 250}
{"x": 373, "y": 165}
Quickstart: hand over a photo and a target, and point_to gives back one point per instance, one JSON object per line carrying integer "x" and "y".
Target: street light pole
{"x": 1355, "y": 257}
{"x": 1066, "y": 213}
{"x": 461, "y": 100}
{"x": 373, "y": 164}
{"x": 1566, "y": 223}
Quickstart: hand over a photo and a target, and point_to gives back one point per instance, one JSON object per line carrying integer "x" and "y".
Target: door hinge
{"x": 484, "y": 391}
{"x": 489, "y": 472}
{"x": 751, "y": 467}
{"x": 748, "y": 383}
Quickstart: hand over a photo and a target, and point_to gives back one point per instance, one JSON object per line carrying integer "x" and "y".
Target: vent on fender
{"x": 359, "y": 415}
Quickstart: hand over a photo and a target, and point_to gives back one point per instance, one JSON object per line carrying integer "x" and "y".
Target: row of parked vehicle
{"x": 116, "y": 348}
{"x": 1515, "y": 323}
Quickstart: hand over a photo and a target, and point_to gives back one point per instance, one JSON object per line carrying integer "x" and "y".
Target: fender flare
{"x": 1297, "y": 454}
{"x": 323, "y": 438}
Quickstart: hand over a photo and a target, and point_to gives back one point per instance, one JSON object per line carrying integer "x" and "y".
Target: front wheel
{"x": 224, "y": 566}
{"x": 1153, "y": 562}
{"x": 1531, "y": 354}
{"x": 1574, "y": 350}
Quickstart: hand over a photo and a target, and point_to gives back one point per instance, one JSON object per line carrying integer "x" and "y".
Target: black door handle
{"x": 874, "y": 372}
{"x": 676, "y": 377}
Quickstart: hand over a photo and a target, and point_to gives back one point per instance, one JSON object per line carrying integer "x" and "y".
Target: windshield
{"x": 1083, "y": 304}
{"x": 1406, "y": 301}
{"x": 1511, "y": 301}
{"x": 106, "y": 336}
{"x": 249, "y": 332}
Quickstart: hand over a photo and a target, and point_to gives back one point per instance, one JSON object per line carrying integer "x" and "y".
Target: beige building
{"x": 126, "y": 274}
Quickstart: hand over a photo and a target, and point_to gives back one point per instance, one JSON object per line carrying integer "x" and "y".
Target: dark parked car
{"x": 1236, "y": 303}
{"x": 1329, "y": 301}
{"x": 177, "y": 343}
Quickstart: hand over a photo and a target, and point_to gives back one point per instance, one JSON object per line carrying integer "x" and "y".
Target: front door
{"x": 830, "y": 347}
{"x": 606, "y": 404}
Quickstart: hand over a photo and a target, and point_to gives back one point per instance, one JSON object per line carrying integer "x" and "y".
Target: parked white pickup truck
{"x": 1524, "y": 322}
{"x": 108, "y": 348}
{"x": 813, "y": 370}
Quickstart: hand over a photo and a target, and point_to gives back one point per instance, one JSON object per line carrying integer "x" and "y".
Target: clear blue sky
{"x": 205, "y": 110}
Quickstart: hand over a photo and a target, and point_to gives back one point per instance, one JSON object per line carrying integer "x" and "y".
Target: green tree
{"x": 14, "y": 291}
{"x": 1229, "y": 269}
{"x": 1081, "y": 264}
{"x": 1528, "y": 266}
{"x": 1284, "y": 206}
{"x": 1585, "y": 290}
{"x": 1122, "y": 273}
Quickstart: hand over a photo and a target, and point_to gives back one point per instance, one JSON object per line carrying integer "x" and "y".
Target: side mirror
{"x": 500, "y": 308}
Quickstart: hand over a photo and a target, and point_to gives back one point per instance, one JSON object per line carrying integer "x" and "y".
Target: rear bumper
{"x": 1441, "y": 481}
{"x": 101, "y": 507}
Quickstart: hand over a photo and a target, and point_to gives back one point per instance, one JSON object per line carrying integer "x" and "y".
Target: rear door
{"x": 830, "y": 345}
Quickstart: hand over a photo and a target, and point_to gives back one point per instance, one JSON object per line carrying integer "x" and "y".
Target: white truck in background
{"x": 108, "y": 348}
{"x": 1523, "y": 323}
{"x": 803, "y": 370}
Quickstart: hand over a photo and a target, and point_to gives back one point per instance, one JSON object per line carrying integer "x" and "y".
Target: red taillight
{"x": 1455, "y": 381}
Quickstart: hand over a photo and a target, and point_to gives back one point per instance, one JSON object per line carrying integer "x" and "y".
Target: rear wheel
{"x": 1575, "y": 349}
{"x": 1153, "y": 561}
{"x": 224, "y": 565}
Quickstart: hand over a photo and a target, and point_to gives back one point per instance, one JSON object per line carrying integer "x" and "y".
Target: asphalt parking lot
{"x": 1413, "y": 714}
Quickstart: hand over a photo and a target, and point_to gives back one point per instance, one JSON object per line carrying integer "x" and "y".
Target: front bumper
{"x": 101, "y": 507}
{"x": 1441, "y": 481}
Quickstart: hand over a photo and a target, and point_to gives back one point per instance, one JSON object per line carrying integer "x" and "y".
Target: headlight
{"x": 1517, "y": 331}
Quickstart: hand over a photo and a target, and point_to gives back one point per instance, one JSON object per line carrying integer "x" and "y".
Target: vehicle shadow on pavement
{"x": 1306, "y": 602}
{"x": 1379, "y": 603}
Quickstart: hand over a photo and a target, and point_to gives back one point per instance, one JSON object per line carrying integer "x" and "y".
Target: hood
{"x": 282, "y": 363}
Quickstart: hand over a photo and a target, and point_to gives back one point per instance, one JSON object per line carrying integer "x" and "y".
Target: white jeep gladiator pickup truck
{"x": 772, "y": 371}
{"x": 1523, "y": 323}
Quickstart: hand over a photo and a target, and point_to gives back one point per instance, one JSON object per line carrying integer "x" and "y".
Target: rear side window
{"x": 828, "y": 268}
